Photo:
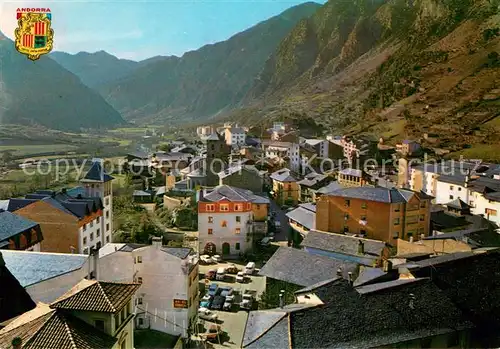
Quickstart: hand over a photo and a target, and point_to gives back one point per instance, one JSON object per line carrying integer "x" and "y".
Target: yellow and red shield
{"x": 34, "y": 35}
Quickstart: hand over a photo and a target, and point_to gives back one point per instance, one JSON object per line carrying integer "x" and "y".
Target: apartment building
{"x": 19, "y": 233}
{"x": 227, "y": 219}
{"x": 351, "y": 177}
{"x": 235, "y": 136}
{"x": 70, "y": 225}
{"x": 167, "y": 299}
{"x": 286, "y": 187}
{"x": 376, "y": 213}
{"x": 289, "y": 152}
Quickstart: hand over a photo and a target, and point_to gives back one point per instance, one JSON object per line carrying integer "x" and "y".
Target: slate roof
{"x": 312, "y": 181}
{"x": 369, "y": 275}
{"x": 138, "y": 154}
{"x": 96, "y": 174}
{"x": 12, "y": 224}
{"x": 235, "y": 169}
{"x": 179, "y": 252}
{"x": 99, "y": 296}
{"x": 379, "y": 194}
{"x": 15, "y": 299}
{"x": 301, "y": 268}
{"x": 303, "y": 216}
{"x": 283, "y": 175}
{"x": 48, "y": 328}
{"x": 226, "y": 192}
{"x": 343, "y": 244}
{"x": 12, "y": 205}
{"x": 458, "y": 204}
{"x": 276, "y": 336}
{"x": 330, "y": 187}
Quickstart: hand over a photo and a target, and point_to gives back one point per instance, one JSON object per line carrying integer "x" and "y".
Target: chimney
{"x": 387, "y": 266}
{"x": 339, "y": 272}
{"x": 411, "y": 239}
{"x": 361, "y": 248}
{"x": 422, "y": 236}
{"x": 157, "y": 241}
{"x": 467, "y": 178}
{"x": 17, "y": 343}
{"x": 349, "y": 278}
{"x": 282, "y": 301}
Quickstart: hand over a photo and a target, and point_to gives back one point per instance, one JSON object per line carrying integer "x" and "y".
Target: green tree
{"x": 7, "y": 157}
{"x": 164, "y": 147}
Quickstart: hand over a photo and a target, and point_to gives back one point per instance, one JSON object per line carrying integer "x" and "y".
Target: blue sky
{"x": 141, "y": 29}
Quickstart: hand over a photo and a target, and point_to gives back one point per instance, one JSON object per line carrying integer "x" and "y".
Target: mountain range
{"x": 397, "y": 68}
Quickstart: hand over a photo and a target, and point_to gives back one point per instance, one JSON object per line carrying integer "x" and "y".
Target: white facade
{"x": 164, "y": 278}
{"x": 425, "y": 181}
{"x": 235, "y": 136}
{"x": 446, "y": 192}
{"x": 91, "y": 235}
{"x": 105, "y": 192}
{"x": 489, "y": 208}
{"x": 282, "y": 149}
{"x": 225, "y": 228}
{"x": 34, "y": 248}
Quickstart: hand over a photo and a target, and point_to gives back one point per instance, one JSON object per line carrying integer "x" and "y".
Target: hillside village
{"x": 282, "y": 243}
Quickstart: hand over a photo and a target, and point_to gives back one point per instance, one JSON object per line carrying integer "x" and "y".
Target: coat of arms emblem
{"x": 34, "y": 35}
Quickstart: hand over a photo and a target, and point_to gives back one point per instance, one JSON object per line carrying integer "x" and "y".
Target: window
{"x": 98, "y": 219}
{"x": 237, "y": 246}
{"x": 459, "y": 188}
{"x": 397, "y": 208}
{"x": 346, "y": 229}
{"x": 237, "y": 231}
{"x": 238, "y": 219}
{"x": 395, "y": 235}
{"x": 91, "y": 236}
{"x": 98, "y": 245}
{"x": 107, "y": 226}
{"x": 141, "y": 321}
{"x": 107, "y": 239}
{"x": 258, "y": 207}
{"x": 98, "y": 232}
{"x": 363, "y": 205}
{"x": 210, "y": 219}
{"x": 363, "y": 218}
{"x": 423, "y": 204}
{"x": 422, "y": 217}
{"x": 362, "y": 232}
{"x": 106, "y": 201}
{"x": 224, "y": 224}
{"x": 210, "y": 231}
{"x": 139, "y": 259}
{"x": 346, "y": 216}
{"x": 86, "y": 251}
{"x": 396, "y": 221}
{"x": 490, "y": 212}
{"x": 238, "y": 207}
{"x": 84, "y": 240}
{"x": 289, "y": 194}
{"x": 410, "y": 233}
{"x": 347, "y": 203}
{"x": 451, "y": 187}
{"x": 224, "y": 207}
{"x": 210, "y": 207}
{"x": 107, "y": 214}
{"x": 99, "y": 324}
{"x": 139, "y": 280}
{"x": 451, "y": 197}
{"x": 84, "y": 227}
{"x": 91, "y": 224}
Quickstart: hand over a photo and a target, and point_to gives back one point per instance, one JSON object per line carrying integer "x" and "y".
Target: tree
{"x": 7, "y": 156}
{"x": 164, "y": 147}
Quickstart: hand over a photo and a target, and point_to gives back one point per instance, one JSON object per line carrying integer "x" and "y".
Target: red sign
{"x": 180, "y": 303}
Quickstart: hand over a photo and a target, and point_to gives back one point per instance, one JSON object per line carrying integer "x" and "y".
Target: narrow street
{"x": 282, "y": 235}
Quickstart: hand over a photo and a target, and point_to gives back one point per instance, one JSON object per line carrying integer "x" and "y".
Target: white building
{"x": 167, "y": 300}
{"x": 320, "y": 145}
{"x": 235, "y": 136}
{"x": 97, "y": 183}
{"x": 284, "y": 150}
{"x": 47, "y": 276}
{"x": 225, "y": 220}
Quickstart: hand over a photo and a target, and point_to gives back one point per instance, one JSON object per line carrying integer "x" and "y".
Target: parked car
{"x": 221, "y": 274}
{"x": 240, "y": 277}
{"x": 206, "y": 259}
{"x": 212, "y": 289}
{"x": 206, "y": 301}
{"x": 265, "y": 241}
{"x": 226, "y": 291}
{"x": 217, "y": 258}
{"x": 218, "y": 302}
{"x": 249, "y": 268}
{"x": 206, "y": 314}
{"x": 232, "y": 269}
{"x": 247, "y": 300}
{"x": 210, "y": 275}
{"x": 228, "y": 304}
{"x": 212, "y": 333}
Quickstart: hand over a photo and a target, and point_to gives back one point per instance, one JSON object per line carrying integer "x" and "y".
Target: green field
{"x": 23, "y": 150}
{"x": 485, "y": 152}
{"x": 121, "y": 141}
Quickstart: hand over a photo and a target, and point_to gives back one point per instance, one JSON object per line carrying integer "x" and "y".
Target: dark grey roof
{"x": 379, "y": 194}
{"x": 343, "y": 244}
{"x": 301, "y": 268}
{"x": 33, "y": 267}
{"x": 458, "y": 204}
{"x": 351, "y": 172}
{"x": 303, "y": 216}
{"x": 74, "y": 192}
{"x": 12, "y": 224}
{"x": 16, "y": 204}
{"x": 96, "y": 173}
{"x": 368, "y": 275}
{"x": 236, "y": 169}
{"x": 312, "y": 181}
{"x": 330, "y": 187}
{"x": 56, "y": 204}
{"x": 129, "y": 247}
{"x": 179, "y": 252}
{"x": 283, "y": 175}
{"x": 140, "y": 193}
{"x": 457, "y": 234}
{"x": 259, "y": 322}
{"x": 275, "y": 337}
{"x": 226, "y": 192}
{"x": 317, "y": 285}
{"x": 138, "y": 154}
{"x": 437, "y": 260}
